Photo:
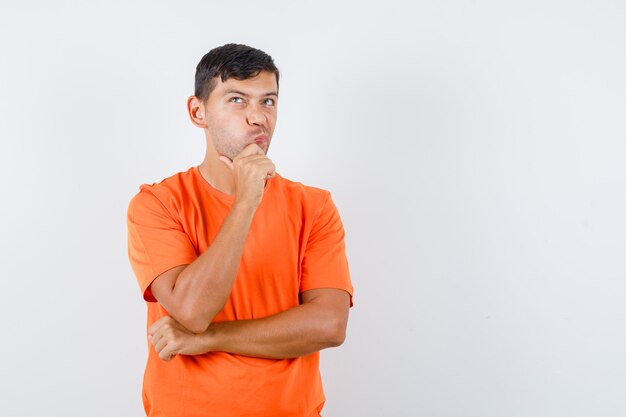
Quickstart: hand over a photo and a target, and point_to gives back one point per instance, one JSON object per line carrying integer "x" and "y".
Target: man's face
{"x": 238, "y": 112}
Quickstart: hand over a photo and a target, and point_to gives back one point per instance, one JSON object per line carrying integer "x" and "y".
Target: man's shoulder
{"x": 173, "y": 183}
{"x": 166, "y": 191}
{"x": 301, "y": 190}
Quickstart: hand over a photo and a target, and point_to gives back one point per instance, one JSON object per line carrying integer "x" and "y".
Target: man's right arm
{"x": 193, "y": 294}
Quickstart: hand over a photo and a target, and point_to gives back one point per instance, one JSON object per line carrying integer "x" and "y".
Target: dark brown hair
{"x": 230, "y": 61}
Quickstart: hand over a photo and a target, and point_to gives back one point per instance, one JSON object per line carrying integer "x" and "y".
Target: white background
{"x": 476, "y": 152}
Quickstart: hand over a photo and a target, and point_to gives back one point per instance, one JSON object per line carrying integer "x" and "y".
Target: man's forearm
{"x": 299, "y": 331}
{"x": 204, "y": 286}
{"x": 319, "y": 322}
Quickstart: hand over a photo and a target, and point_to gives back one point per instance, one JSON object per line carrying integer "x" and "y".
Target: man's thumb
{"x": 227, "y": 161}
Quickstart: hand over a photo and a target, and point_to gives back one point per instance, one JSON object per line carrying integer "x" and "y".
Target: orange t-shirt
{"x": 295, "y": 243}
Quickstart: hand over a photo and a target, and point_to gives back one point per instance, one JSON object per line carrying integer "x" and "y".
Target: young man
{"x": 244, "y": 272}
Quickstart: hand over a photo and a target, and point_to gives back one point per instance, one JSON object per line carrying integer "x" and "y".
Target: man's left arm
{"x": 318, "y": 323}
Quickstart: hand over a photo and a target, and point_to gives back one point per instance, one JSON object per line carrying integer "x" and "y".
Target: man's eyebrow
{"x": 241, "y": 93}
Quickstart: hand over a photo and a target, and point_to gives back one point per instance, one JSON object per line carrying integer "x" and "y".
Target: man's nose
{"x": 256, "y": 116}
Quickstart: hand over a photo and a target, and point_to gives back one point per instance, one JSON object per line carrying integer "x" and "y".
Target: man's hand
{"x": 171, "y": 338}
{"x": 251, "y": 168}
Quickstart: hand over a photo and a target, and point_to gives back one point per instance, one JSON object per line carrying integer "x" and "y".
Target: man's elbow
{"x": 196, "y": 321}
{"x": 195, "y": 325}
{"x": 337, "y": 341}
{"x": 336, "y": 332}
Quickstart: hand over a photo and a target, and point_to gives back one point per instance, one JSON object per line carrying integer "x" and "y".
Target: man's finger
{"x": 227, "y": 161}
{"x": 155, "y": 326}
{"x": 251, "y": 149}
{"x": 166, "y": 354}
{"x": 154, "y": 338}
{"x": 161, "y": 344}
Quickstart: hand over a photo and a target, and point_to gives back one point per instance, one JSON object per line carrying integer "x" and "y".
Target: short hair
{"x": 231, "y": 61}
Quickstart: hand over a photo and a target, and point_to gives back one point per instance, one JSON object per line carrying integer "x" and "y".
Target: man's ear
{"x": 195, "y": 108}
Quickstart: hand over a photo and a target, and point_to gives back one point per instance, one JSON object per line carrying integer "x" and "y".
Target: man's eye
{"x": 236, "y": 98}
{"x": 271, "y": 100}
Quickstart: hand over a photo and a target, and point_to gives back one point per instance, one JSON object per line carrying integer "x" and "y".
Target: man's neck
{"x": 220, "y": 177}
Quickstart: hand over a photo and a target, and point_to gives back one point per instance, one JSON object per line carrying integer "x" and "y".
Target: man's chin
{"x": 229, "y": 153}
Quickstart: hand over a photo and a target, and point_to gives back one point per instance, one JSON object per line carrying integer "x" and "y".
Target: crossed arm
{"x": 193, "y": 295}
{"x": 318, "y": 323}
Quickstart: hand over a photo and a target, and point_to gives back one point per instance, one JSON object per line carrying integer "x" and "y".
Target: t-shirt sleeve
{"x": 324, "y": 264}
{"x": 156, "y": 240}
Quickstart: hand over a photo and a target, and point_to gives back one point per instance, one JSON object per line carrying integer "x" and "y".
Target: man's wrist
{"x": 245, "y": 206}
{"x": 209, "y": 338}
